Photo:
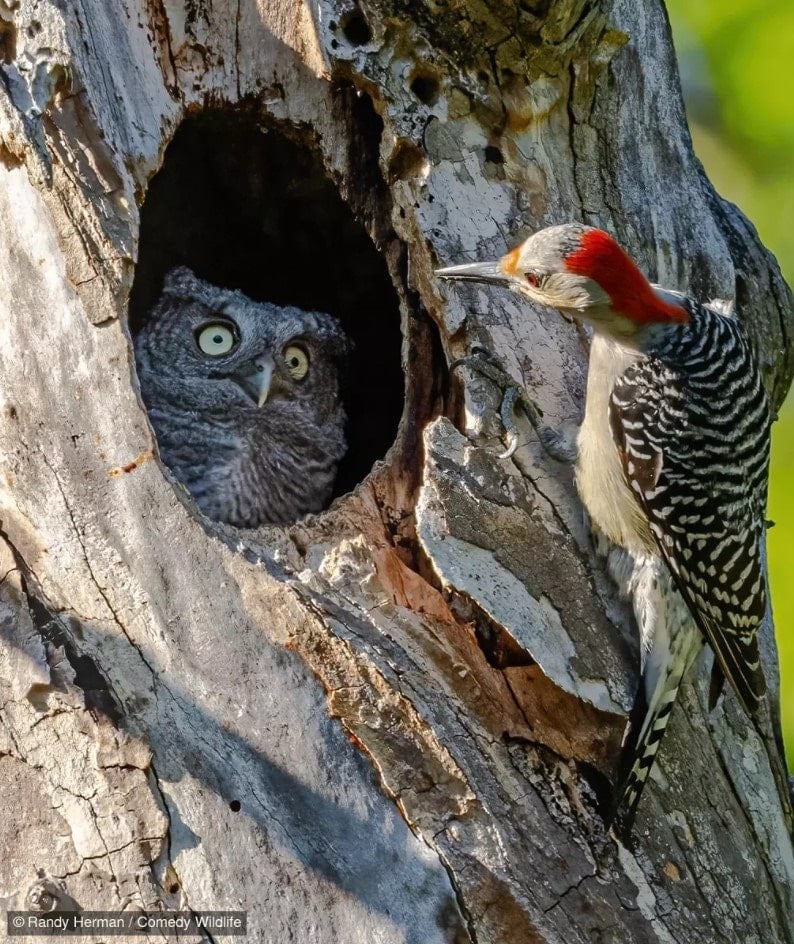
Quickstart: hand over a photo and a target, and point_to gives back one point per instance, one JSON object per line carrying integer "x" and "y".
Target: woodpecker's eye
{"x": 217, "y": 339}
{"x": 532, "y": 279}
{"x": 297, "y": 361}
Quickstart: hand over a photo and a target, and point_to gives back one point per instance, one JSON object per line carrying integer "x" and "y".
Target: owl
{"x": 244, "y": 400}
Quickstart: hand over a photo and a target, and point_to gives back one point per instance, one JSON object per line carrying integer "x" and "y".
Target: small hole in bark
{"x": 537, "y": 8}
{"x": 249, "y": 206}
{"x": 499, "y": 647}
{"x": 8, "y": 42}
{"x": 356, "y": 28}
{"x": 426, "y": 87}
{"x": 173, "y": 889}
{"x": 493, "y": 155}
{"x": 234, "y": 806}
{"x": 407, "y": 161}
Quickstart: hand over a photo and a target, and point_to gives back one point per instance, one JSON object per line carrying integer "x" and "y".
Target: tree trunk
{"x": 393, "y": 721}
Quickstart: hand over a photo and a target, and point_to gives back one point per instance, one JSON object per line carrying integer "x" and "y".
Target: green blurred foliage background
{"x": 735, "y": 58}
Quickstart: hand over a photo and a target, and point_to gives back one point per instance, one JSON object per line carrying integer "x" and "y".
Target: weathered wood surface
{"x": 391, "y": 722}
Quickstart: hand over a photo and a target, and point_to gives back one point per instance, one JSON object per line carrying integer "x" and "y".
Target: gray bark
{"x": 390, "y": 722}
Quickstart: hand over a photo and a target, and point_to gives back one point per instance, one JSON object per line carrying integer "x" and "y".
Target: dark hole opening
{"x": 426, "y": 88}
{"x": 234, "y": 806}
{"x": 246, "y": 206}
{"x": 356, "y": 28}
{"x": 493, "y": 155}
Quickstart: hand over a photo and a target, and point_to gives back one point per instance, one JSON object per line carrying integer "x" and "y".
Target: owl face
{"x": 216, "y": 349}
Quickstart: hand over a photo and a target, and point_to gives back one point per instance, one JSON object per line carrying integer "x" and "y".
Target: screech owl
{"x": 244, "y": 399}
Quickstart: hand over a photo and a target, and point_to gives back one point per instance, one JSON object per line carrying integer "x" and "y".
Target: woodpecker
{"x": 671, "y": 464}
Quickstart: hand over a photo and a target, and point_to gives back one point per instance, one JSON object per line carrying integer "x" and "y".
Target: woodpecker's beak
{"x": 490, "y": 272}
{"x": 255, "y": 379}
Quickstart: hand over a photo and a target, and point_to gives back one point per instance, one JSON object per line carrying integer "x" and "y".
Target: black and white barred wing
{"x": 700, "y": 477}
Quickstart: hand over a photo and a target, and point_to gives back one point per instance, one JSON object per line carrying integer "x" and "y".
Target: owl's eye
{"x": 297, "y": 361}
{"x": 217, "y": 339}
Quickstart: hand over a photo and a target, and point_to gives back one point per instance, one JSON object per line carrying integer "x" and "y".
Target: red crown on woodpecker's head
{"x": 600, "y": 258}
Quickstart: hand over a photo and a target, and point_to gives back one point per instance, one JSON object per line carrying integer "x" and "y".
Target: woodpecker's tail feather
{"x": 641, "y": 748}
{"x": 676, "y": 641}
{"x": 647, "y": 726}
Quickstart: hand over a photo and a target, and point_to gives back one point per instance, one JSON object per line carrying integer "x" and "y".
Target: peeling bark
{"x": 395, "y": 720}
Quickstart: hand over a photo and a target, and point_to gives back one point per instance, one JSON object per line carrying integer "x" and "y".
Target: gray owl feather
{"x": 244, "y": 399}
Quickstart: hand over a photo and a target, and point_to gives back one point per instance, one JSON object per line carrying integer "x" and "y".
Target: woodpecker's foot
{"x": 516, "y": 397}
{"x": 559, "y": 443}
{"x": 487, "y": 364}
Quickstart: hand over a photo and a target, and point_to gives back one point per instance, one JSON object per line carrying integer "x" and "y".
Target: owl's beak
{"x": 262, "y": 378}
{"x": 255, "y": 379}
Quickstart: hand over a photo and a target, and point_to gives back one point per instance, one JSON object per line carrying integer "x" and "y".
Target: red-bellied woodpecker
{"x": 671, "y": 463}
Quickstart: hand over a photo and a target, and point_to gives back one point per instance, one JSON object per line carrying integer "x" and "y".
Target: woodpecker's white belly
{"x": 599, "y": 475}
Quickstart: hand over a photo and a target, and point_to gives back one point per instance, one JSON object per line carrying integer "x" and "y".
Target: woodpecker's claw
{"x": 486, "y": 363}
{"x": 515, "y": 396}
